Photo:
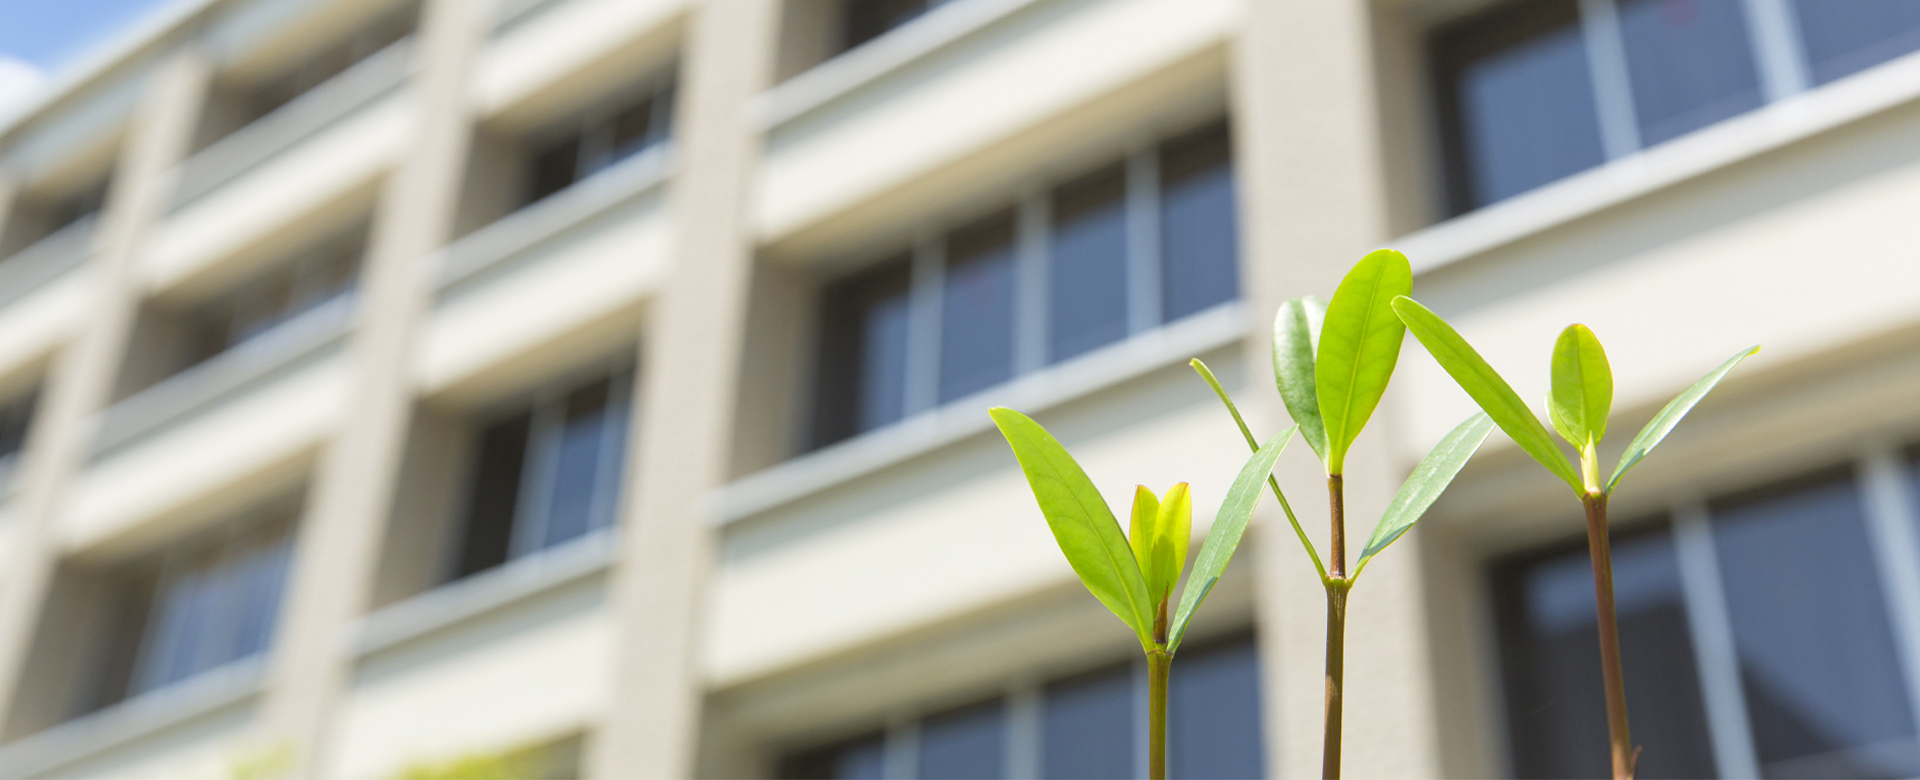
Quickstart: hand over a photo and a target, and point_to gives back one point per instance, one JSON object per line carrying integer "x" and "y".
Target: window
{"x": 601, "y": 139}
{"x": 1768, "y": 580}
{"x": 288, "y": 289}
{"x": 199, "y": 604}
{"x": 868, "y": 19}
{"x": 1086, "y": 724}
{"x": 16, "y": 418}
{"x": 1532, "y": 92}
{"x": 1125, "y": 248}
{"x": 547, "y": 472}
{"x": 336, "y": 59}
{"x": 34, "y": 219}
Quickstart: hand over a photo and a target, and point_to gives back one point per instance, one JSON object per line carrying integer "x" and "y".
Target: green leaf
{"x": 1159, "y": 546}
{"x": 1662, "y": 423}
{"x": 1228, "y": 526}
{"x": 1359, "y": 344}
{"x": 1254, "y": 445}
{"x": 1081, "y": 521}
{"x": 1582, "y": 388}
{"x": 1176, "y": 527}
{"x": 1425, "y": 484}
{"x": 1491, "y": 392}
{"x": 1296, "y": 335}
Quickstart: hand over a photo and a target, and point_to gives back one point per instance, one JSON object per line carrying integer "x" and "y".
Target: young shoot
{"x": 1134, "y": 574}
{"x": 1331, "y": 363}
{"x": 1578, "y": 405}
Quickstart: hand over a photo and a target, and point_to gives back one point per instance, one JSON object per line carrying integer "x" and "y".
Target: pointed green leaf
{"x": 1296, "y": 336}
{"x": 1582, "y": 388}
{"x": 1359, "y": 344}
{"x": 1424, "y": 486}
{"x": 1228, "y": 527}
{"x": 1662, "y": 423}
{"x": 1081, "y": 521}
{"x": 1176, "y": 522}
{"x": 1151, "y": 548}
{"x": 1491, "y": 392}
{"x": 1254, "y": 445}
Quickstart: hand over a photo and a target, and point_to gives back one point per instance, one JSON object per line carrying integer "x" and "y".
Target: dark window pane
{"x": 1213, "y": 713}
{"x": 1843, "y": 38}
{"x": 976, "y": 315}
{"x": 553, "y": 168}
{"x": 1199, "y": 223}
{"x": 1690, "y": 64}
{"x": 632, "y": 129}
{"x": 1516, "y": 101}
{"x": 868, "y": 19}
{"x": 965, "y": 743}
{"x": 1823, "y": 683}
{"x": 1556, "y": 704}
{"x": 16, "y": 417}
{"x": 863, "y": 353}
{"x": 1088, "y": 270}
{"x": 213, "y": 603}
{"x": 861, "y": 758}
{"x": 1086, "y": 726}
{"x": 573, "y": 508}
{"x": 495, "y": 495}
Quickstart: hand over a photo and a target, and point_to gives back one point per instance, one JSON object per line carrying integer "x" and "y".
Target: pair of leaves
{"x": 1090, "y": 537}
{"x": 1579, "y": 403}
{"x": 1332, "y": 361}
{"x": 1159, "y": 534}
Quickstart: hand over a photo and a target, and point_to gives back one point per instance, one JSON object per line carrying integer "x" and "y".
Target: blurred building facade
{"x": 601, "y": 384}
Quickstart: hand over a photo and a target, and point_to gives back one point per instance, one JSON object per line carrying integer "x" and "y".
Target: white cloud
{"x": 20, "y": 83}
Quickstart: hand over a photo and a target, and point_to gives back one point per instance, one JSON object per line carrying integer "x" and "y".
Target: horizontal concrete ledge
{"x": 225, "y": 375}
{"x": 822, "y": 470}
{"x": 1637, "y": 175}
{"x": 485, "y": 593}
{"x": 233, "y": 684}
{"x": 871, "y": 61}
{"x": 45, "y": 260}
{"x": 514, "y": 234}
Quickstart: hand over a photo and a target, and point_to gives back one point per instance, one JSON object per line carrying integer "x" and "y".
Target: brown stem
{"x": 1621, "y": 742}
{"x": 1337, "y": 585}
{"x": 1336, "y": 676}
{"x": 1159, "y": 665}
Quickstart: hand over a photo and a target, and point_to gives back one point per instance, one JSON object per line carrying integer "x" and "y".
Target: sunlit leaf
{"x": 1359, "y": 344}
{"x": 1491, "y": 392}
{"x": 1228, "y": 526}
{"x": 1081, "y": 521}
{"x": 1296, "y": 336}
{"x": 1582, "y": 392}
{"x": 1153, "y": 547}
{"x": 1662, "y": 423}
{"x": 1176, "y": 527}
{"x": 1424, "y": 486}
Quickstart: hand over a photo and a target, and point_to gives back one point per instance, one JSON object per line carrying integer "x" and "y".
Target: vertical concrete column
{"x": 337, "y": 550}
{"x": 690, "y": 367}
{"x": 80, "y": 381}
{"x": 1307, "y": 121}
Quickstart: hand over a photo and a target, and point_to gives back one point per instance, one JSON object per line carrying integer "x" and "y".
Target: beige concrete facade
{"x": 753, "y": 596}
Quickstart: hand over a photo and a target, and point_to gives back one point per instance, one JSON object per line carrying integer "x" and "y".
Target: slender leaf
{"x": 1143, "y": 534}
{"x": 1359, "y": 344}
{"x": 1228, "y": 526}
{"x": 1081, "y": 521}
{"x": 1582, "y": 388}
{"x": 1662, "y": 423}
{"x": 1176, "y": 527}
{"x": 1296, "y": 336}
{"x": 1425, "y": 484}
{"x": 1491, "y": 392}
{"x": 1254, "y": 445}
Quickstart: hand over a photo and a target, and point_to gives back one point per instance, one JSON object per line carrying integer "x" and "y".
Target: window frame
{"x": 1033, "y": 225}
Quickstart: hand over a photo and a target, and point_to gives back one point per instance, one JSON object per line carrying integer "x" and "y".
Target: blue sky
{"x": 38, "y": 38}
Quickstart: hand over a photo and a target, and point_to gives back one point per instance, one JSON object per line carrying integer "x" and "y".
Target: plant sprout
{"x": 1134, "y": 574}
{"x": 1331, "y": 362}
{"x": 1581, "y": 397}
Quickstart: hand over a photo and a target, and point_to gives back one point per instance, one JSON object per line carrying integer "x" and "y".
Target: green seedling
{"x": 1331, "y": 362}
{"x": 1135, "y": 574}
{"x": 1577, "y": 406}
